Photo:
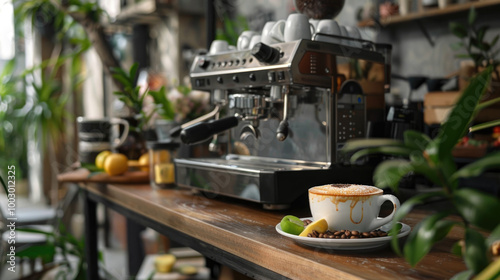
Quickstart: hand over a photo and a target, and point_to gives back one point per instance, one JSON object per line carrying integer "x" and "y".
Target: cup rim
{"x": 378, "y": 192}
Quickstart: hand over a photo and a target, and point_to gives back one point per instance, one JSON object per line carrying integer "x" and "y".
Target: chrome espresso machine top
{"x": 281, "y": 114}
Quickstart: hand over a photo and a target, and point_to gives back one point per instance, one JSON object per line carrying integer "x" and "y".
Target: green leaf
{"x": 464, "y": 275}
{"x": 4, "y": 185}
{"x": 457, "y": 249}
{"x": 91, "y": 167}
{"x": 396, "y": 228}
{"x": 492, "y": 271}
{"x": 475, "y": 251}
{"x": 34, "y": 230}
{"x": 462, "y": 113}
{"x": 357, "y": 144}
{"x": 486, "y": 104}
{"x": 133, "y": 71}
{"x": 123, "y": 80}
{"x": 458, "y": 30}
{"x": 494, "y": 236}
{"x": 394, "y": 151}
{"x": 477, "y": 208}
{"x": 457, "y": 46}
{"x": 495, "y": 40}
{"x": 7, "y": 71}
{"x": 119, "y": 71}
{"x": 462, "y": 56}
{"x": 45, "y": 251}
{"x": 416, "y": 140}
{"x": 406, "y": 207}
{"x": 424, "y": 235}
{"x": 477, "y": 167}
{"x": 390, "y": 172}
{"x": 472, "y": 16}
{"x": 481, "y": 32}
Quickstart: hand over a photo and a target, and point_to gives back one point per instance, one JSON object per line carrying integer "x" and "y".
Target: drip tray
{"x": 252, "y": 164}
{"x": 276, "y": 183}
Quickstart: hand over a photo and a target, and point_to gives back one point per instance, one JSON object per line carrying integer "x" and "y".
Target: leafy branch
{"x": 132, "y": 96}
{"x": 433, "y": 158}
{"x": 473, "y": 41}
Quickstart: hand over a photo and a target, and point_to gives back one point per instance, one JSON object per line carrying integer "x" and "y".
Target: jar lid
{"x": 166, "y": 145}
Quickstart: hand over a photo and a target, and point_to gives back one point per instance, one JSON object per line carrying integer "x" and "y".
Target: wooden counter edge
{"x": 279, "y": 262}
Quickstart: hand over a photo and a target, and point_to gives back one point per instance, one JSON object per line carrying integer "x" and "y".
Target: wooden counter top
{"x": 245, "y": 231}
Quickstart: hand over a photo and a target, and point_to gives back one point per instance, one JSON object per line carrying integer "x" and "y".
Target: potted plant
{"x": 433, "y": 159}
{"x": 482, "y": 52}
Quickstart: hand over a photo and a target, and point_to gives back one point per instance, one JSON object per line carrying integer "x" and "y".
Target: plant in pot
{"x": 475, "y": 44}
{"x": 135, "y": 98}
{"x": 432, "y": 158}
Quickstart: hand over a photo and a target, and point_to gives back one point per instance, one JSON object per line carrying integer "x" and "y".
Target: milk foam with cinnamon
{"x": 345, "y": 189}
{"x": 350, "y": 206}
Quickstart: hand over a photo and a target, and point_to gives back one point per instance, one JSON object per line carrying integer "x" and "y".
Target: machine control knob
{"x": 203, "y": 63}
{"x": 265, "y": 53}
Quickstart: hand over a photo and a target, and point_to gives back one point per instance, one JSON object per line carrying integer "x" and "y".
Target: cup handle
{"x": 313, "y": 29}
{"x": 380, "y": 200}
{"x": 278, "y": 31}
{"x": 118, "y": 141}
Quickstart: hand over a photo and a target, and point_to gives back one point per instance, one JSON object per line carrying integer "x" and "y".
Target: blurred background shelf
{"x": 430, "y": 12}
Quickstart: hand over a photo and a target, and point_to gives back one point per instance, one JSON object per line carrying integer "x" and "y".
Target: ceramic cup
{"x": 277, "y": 32}
{"x": 354, "y": 32}
{"x": 344, "y": 33}
{"x": 297, "y": 27}
{"x": 314, "y": 23}
{"x": 243, "y": 42}
{"x": 97, "y": 135}
{"x": 330, "y": 27}
{"x": 350, "y": 206}
{"x": 266, "y": 37}
{"x": 255, "y": 39}
{"x": 218, "y": 46}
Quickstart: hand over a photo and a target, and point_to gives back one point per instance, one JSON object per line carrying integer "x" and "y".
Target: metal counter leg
{"x": 135, "y": 247}
{"x": 91, "y": 237}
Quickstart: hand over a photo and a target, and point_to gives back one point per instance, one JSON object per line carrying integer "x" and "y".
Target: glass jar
{"x": 161, "y": 164}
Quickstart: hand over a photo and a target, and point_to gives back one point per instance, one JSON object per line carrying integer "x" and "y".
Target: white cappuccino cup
{"x": 350, "y": 206}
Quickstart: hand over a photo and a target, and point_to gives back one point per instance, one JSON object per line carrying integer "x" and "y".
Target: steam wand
{"x": 282, "y": 130}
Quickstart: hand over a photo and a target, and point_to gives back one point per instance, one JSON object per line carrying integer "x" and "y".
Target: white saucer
{"x": 345, "y": 244}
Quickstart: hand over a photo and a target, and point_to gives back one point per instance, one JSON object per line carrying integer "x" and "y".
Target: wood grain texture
{"x": 247, "y": 231}
{"x": 83, "y": 175}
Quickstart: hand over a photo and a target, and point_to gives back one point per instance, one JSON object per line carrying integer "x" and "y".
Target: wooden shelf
{"x": 431, "y": 12}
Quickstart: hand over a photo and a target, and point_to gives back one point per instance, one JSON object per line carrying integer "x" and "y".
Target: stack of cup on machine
{"x": 296, "y": 27}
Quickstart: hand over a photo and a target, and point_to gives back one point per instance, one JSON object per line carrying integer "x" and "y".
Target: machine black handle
{"x": 174, "y": 132}
{"x": 202, "y": 131}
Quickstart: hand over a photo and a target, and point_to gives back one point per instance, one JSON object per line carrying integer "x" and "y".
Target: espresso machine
{"x": 282, "y": 113}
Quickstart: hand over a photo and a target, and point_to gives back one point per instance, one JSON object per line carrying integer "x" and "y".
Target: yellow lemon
{"x": 100, "y": 158}
{"x": 320, "y": 226}
{"x": 143, "y": 162}
{"x": 115, "y": 164}
{"x": 165, "y": 263}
